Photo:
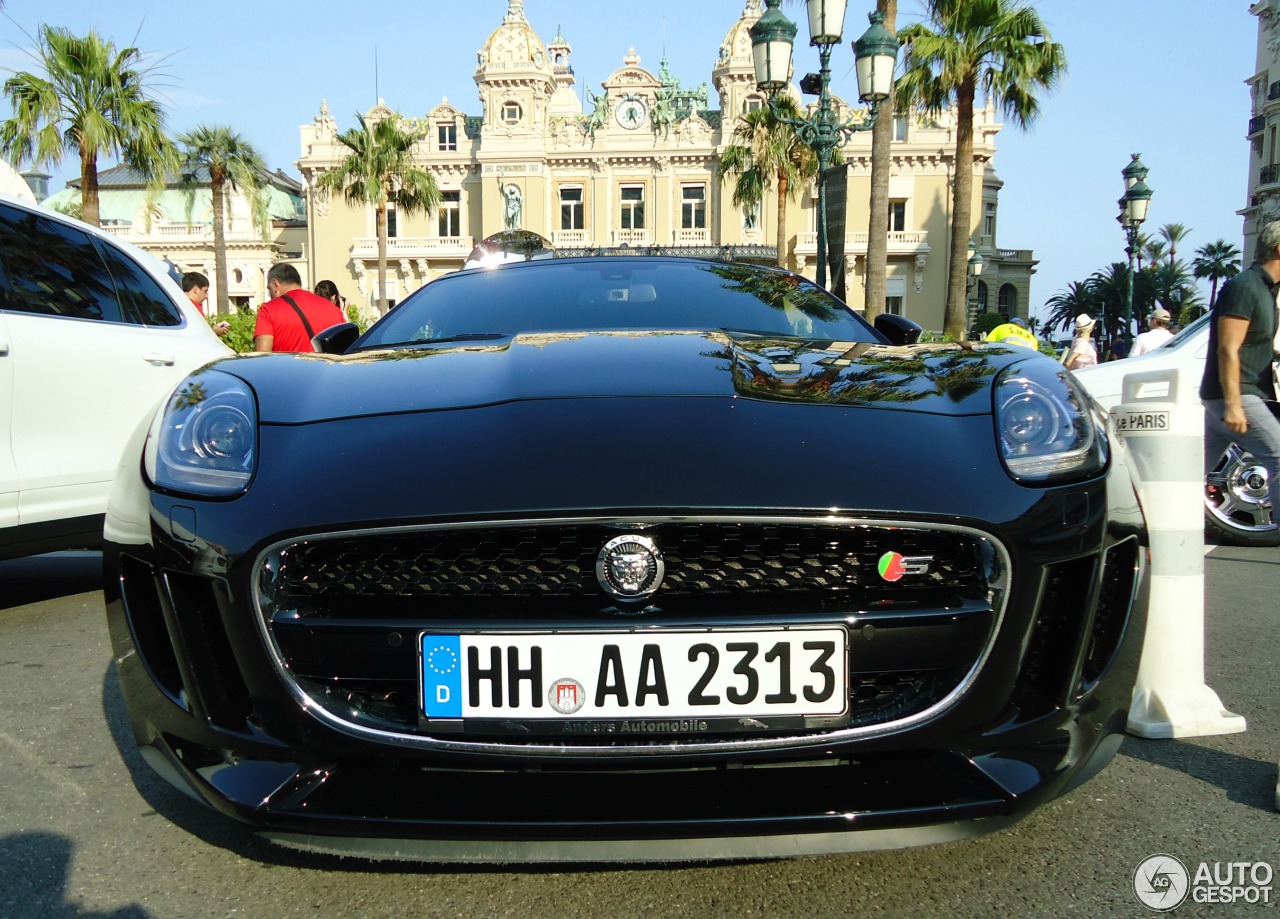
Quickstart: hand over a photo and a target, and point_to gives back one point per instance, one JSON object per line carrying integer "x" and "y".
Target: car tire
{"x": 1236, "y": 511}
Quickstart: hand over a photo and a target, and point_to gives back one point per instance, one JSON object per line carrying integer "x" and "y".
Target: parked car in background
{"x": 1235, "y": 499}
{"x": 93, "y": 334}
{"x": 626, "y": 559}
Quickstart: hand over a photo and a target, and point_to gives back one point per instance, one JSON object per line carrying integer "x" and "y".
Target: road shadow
{"x": 34, "y": 867}
{"x": 1246, "y": 781}
{"x": 217, "y": 830}
{"x": 38, "y": 578}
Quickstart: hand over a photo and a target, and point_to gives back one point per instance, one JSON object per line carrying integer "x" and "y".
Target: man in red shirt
{"x": 289, "y": 320}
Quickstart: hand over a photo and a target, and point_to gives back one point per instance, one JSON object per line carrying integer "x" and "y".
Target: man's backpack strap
{"x": 301, "y": 315}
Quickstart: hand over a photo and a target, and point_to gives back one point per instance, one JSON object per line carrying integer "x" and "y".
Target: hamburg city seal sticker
{"x": 1161, "y": 882}
{"x": 566, "y": 696}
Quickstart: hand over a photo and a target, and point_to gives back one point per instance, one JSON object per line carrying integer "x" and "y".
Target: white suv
{"x": 93, "y": 334}
{"x": 1236, "y": 509}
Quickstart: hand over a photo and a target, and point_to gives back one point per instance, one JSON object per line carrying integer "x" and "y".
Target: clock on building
{"x": 631, "y": 113}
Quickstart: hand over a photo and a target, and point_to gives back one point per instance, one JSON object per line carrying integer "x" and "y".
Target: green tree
{"x": 881, "y": 163}
{"x": 1216, "y": 261}
{"x": 1172, "y": 234}
{"x": 764, "y": 152}
{"x": 1001, "y": 47}
{"x": 380, "y": 171}
{"x": 220, "y": 157}
{"x": 93, "y": 100}
{"x": 1066, "y": 305}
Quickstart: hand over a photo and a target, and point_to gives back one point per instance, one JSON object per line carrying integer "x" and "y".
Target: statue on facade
{"x": 599, "y": 113}
{"x": 664, "y": 113}
{"x": 514, "y": 203}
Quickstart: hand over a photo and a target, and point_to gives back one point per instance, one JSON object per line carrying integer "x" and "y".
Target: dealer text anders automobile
{"x": 683, "y": 726}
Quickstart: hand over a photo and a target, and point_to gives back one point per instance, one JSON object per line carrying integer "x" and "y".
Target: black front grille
{"x": 558, "y": 561}
{"x": 345, "y": 612}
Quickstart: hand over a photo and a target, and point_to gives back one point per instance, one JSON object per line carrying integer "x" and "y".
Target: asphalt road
{"x": 87, "y": 831}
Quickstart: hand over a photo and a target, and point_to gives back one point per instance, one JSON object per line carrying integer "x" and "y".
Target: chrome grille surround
{"x": 268, "y": 578}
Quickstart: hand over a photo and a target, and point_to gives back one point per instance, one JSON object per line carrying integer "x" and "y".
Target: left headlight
{"x": 205, "y": 442}
{"x": 1043, "y": 421}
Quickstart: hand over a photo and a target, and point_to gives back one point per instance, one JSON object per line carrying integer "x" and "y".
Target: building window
{"x": 450, "y": 213}
{"x": 632, "y": 216}
{"x": 893, "y": 306}
{"x": 571, "y": 207}
{"x": 693, "y": 207}
{"x": 511, "y": 112}
{"x": 899, "y": 127}
{"x": 897, "y": 215}
{"x": 391, "y": 222}
{"x": 1008, "y": 300}
{"x": 753, "y": 104}
{"x": 989, "y": 222}
{"x": 447, "y": 137}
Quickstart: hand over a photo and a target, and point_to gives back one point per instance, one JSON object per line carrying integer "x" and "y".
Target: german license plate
{"x": 798, "y": 672}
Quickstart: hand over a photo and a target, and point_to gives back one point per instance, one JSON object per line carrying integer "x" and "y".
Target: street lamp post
{"x": 971, "y": 283}
{"x": 772, "y": 39}
{"x": 1133, "y": 212}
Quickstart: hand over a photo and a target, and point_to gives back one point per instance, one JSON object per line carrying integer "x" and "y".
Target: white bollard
{"x": 1162, "y": 422}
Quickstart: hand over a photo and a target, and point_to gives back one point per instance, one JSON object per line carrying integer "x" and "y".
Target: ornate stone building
{"x": 1264, "y": 127}
{"x": 636, "y": 166}
{"x": 177, "y": 227}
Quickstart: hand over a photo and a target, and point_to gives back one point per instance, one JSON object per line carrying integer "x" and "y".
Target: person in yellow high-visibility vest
{"x": 1015, "y": 332}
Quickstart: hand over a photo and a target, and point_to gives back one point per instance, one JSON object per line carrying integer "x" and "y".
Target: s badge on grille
{"x": 630, "y": 567}
{"x": 893, "y": 567}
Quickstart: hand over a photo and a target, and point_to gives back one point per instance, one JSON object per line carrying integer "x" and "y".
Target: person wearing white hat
{"x": 1156, "y": 335}
{"x": 1082, "y": 353}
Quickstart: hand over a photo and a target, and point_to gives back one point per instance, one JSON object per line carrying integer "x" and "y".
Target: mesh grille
{"x": 559, "y": 561}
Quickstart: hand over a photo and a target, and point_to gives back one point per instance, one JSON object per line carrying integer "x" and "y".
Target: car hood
{"x": 944, "y": 378}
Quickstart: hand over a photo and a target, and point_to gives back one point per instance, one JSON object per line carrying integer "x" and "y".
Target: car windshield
{"x": 605, "y": 294}
{"x": 1189, "y": 333}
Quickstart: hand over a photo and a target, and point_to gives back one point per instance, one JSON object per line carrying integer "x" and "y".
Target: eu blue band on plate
{"x": 442, "y": 676}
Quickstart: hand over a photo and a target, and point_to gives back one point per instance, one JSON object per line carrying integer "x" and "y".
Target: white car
{"x": 1236, "y": 510}
{"x": 93, "y": 335}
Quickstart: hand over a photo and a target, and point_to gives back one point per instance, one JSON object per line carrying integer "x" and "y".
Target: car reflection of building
{"x": 638, "y": 172}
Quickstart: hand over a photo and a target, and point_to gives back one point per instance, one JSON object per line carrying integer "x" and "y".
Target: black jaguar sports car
{"x": 626, "y": 558}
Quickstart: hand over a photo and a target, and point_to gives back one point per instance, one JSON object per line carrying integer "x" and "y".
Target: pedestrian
{"x": 1082, "y": 352}
{"x": 1238, "y": 378}
{"x": 329, "y": 291}
{"x": 293, "y": 315}
{"x": 196, "y": 286}
{"x": 1156, "y": 335}
{"x": 1015, "y": 332}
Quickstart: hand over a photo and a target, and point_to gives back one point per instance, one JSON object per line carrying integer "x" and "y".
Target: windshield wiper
{"x": 419, "y": 342}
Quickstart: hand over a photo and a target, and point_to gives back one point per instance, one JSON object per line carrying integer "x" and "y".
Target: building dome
{"x": 514, "y": 46}
{"x": 735, "y": 50}
{"x": 13, "y": 184}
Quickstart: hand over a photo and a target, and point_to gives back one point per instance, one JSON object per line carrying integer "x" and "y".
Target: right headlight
{"x": 1045, "y": 426}
{"x": 205, "y": 442}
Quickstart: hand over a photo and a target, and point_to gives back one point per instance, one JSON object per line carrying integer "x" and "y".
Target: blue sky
{"x": 1164, "y": 78}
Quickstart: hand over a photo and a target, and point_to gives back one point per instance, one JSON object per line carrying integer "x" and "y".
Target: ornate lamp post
{"x": 971, "y": 283}
{"x": 1133, "y": 212}
{"x": 772, "y": 38}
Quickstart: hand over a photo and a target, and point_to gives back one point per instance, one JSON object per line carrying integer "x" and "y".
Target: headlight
{"x": 1043, "y": 420}
{"x": 205, "y": 442}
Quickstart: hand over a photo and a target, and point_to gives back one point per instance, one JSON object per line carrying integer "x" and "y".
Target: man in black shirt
{"x": 1238, "y": 382}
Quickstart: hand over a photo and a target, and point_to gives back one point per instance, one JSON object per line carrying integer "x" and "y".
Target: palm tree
{"x": 1174, "y": 233}
{"x": 379, "y": 171}
{"x": 1216, "y": 261}
{"x": 878, "y": 220}
{"x": 1065, "y": 306}
{"x": 91, "y": 99}
{"x": 228, "y": 161}
{"x": 999, "y": 46}
{"x": 1152, "y": 249}
{"x": 765, "y": 151}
